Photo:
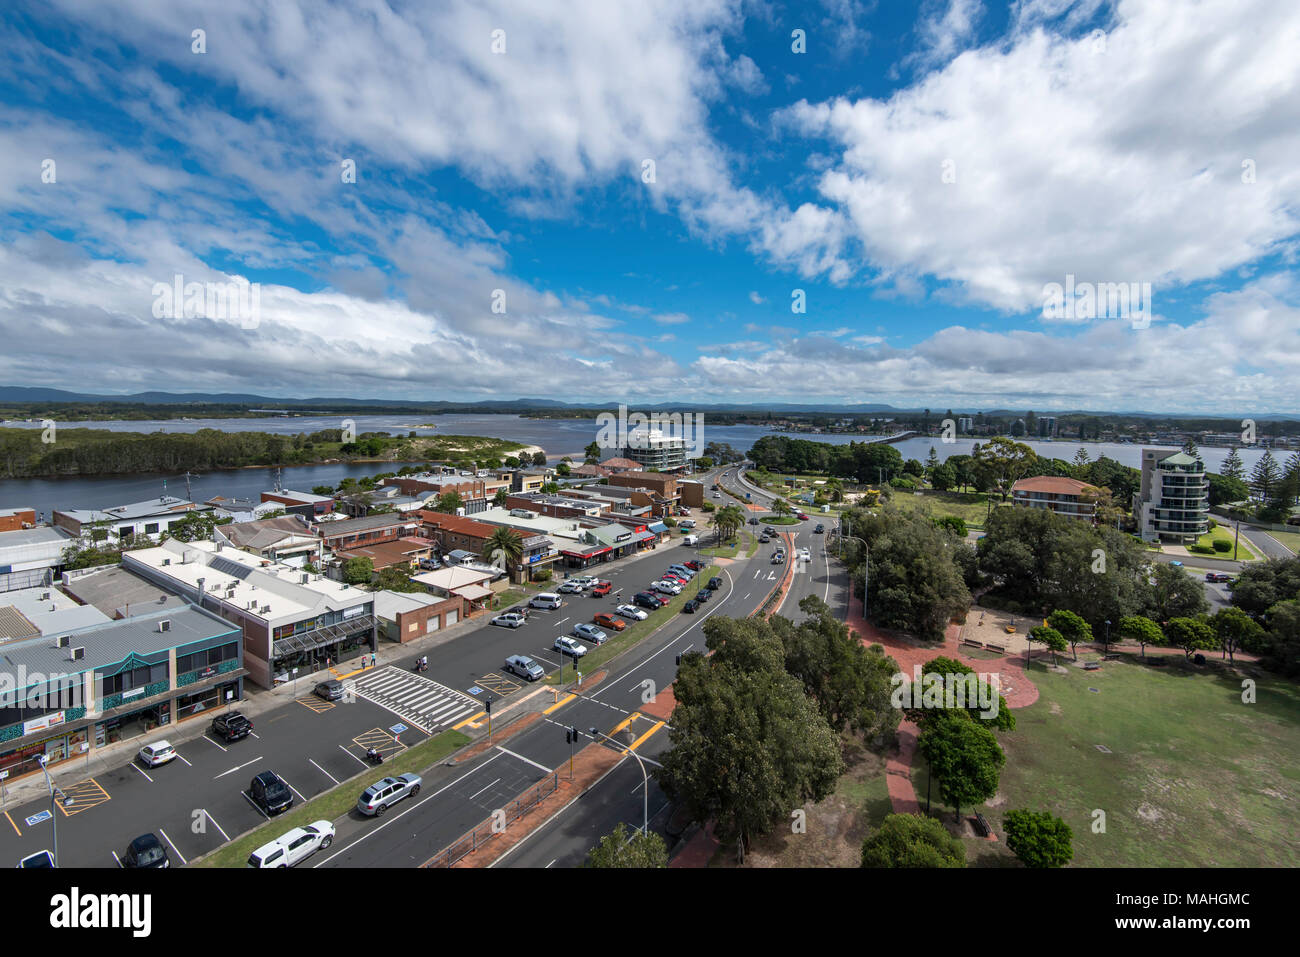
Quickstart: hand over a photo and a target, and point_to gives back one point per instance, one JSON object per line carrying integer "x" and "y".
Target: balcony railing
{"x": 320, "y": 637}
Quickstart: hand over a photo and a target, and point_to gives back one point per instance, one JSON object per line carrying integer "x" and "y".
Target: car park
{"x": 690, "y": 607}
{"x": 331, "y": 690}
{"x": 146, "y": 851}
{"x": 293, "y": 846}
{"x": 269, "y": 792}
{"x": 160, "y": 752}
{"x": 231, "y": 726}
{"x": 714, "y": 583}
{"x": 545, "y": 600}
{"x": 606, "y": 620}
{"x": 509, "y": 619}
{"x": 568, "y": 646}
{"x": 524, "y": 667}
{"x": 382, "y": 795}
{"x": 632, "y": 612}
{"x": 591, "y": 633}
{"x": 601, "y": 588}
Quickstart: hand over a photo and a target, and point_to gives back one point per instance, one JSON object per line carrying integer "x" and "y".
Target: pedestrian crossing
{"x": 426, "y": 704}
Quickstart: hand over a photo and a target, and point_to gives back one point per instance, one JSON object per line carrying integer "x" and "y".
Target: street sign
{"x": 476, "y": 690}
{"x": 38, "y": 818}
{"x": 397, "y": 728}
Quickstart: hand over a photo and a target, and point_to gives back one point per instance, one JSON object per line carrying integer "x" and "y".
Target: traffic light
{"x": 487, "y": 703}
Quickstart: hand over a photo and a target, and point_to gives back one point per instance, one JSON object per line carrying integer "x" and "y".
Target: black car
{"x": 146, "y": 851}
{"x": 331, "y": 690}
{"x": 690, "y": 606}
{"x": 645, "y": 600}
{"x": 714, "y": 584}
{"x": 753, "y": 521}
{"x": 270, "y": 793}
{"x": 820, "y": 529}
{"x": 231, "y": 726}
{"x": 703, "y": 595}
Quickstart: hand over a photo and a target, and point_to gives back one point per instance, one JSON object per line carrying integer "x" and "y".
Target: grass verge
{"x": 335, "y": 802}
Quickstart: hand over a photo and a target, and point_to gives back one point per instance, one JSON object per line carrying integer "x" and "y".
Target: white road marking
{"x": 215, "y": 824}
{"x": 295, "y": 791}
{"x": 182, "y": 757}
{"x": 481, "y": 790}
{"x": 524, "y": 759}
{"x": 324, "y": 772}
{"x": 174, "y": 848}
{"x": 234, "y": 769}
{"x": 137, "y": 767}
{"x": 351, "y": 755}
{"x": 210, "y": 741}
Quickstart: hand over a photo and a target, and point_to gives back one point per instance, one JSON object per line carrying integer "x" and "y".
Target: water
{"x": 559, "y": 437}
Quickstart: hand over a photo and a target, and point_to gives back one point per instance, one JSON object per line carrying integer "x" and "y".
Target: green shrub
{"x": 542, "y": 576}
{"x": 1220, "y": 545}
{"x": 1201, "y": 549}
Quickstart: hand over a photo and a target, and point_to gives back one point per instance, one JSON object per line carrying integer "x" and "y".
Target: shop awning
{"x": 590, "y": 552}
{"x": 659, "y": 527}
{"x": 472, "y": 592}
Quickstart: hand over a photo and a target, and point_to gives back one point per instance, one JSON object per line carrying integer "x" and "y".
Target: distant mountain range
{"x": 24, "y": 394}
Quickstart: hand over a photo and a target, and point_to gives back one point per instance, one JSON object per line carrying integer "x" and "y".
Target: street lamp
{"x": 54, "y": 815}
{"x": 1107, "y": 636}
{"x": 644, "y": 776}
{"x": 866, "y": 561}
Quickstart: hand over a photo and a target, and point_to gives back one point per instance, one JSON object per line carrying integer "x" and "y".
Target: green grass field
{"x": 1223, "y": 533}
{"x": 1289, "y": 539}
{"x": 1195, "y": 778}
{"x": 970, "y": 506}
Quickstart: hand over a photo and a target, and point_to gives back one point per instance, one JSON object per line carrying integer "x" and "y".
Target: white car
{"x": 293, "y": 846}
{"x": 568, "y": 646}
{"x": 667, "y": 588}
{"x": 511, "y": 619}
{"x": 632, "y": 612}
{"x": 160, "y": 752}
{"x": 805, "y": 555}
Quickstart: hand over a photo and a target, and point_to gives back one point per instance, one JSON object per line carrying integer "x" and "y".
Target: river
{"x": 559, "y": 437}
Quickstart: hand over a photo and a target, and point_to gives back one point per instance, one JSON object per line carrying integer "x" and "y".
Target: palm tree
{"x": 781, "y": 507}
{"x": 503, "y": 548}
{"x": 727, "y": 520}
{"x": 835, "y": 489}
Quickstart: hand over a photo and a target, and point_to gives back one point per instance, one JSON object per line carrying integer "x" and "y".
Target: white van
{"x": 546, "y": 599}
{"x": 691, "y": 540}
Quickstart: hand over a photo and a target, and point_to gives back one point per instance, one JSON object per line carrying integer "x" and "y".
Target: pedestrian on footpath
{"x": 373, "y": 660}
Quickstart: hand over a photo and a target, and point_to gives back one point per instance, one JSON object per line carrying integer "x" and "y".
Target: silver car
{"x": 524, "y": 667}
{"x": 511, "y": 619}
{"x": 375, "y": 800}
{"x": 568, "y": 646}
{"x": 591, "y": 633}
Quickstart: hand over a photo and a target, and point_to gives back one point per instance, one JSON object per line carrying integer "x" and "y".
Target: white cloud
{"x": 756, "y": 299}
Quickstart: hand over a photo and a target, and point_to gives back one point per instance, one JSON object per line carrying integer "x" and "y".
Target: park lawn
{"x": 1290, "y": 540}
{"x": 780, "y": 520}
{"x": 1196, "y": 778}
{"x": 732, "y": 547}
{"x": 335, "y": 802}
{"x": 972, "y": 507}
{"x": 1224, "y": 534}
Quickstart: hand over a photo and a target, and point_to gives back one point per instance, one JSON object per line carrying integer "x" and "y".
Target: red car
{"x": 610, "y": 622}
{"x": 671, "y": 577}
{"x": 803, "y": 517}
{"x": 601, "y": 588}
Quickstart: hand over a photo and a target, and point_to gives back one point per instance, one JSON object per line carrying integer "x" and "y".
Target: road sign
{"x": 476, "y": 690}
{"x": 38, "y": 818}
{"x": 397, "y": 728}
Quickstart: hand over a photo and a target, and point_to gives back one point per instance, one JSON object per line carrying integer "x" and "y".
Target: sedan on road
{"x": 591, "y": 633}
{"x": 568, "y": 646}
{"x": 633, "y": 612}
{"x": 511, "y": 619}
{"x": 160, "y": 752}
{"x": 377, "y": 798}
{"x": 606, "y": 620}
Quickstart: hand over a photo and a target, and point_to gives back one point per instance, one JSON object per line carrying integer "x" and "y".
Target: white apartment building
{"x": 1173, "y": 503}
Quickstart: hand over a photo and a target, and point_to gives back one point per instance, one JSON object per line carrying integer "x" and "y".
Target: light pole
{"x": 54, "y": 811}
{"x": 866, "y": 561}
{"x": 644, "y": 777}
{"x": 1107, "y": 636}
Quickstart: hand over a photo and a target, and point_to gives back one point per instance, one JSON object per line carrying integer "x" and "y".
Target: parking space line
{"x": 351, "y": 755}
{"x": 174, "y": 847}
{"x": 137, "y": 767}
{"x": 295, "y": 790}
{"x": 236, "y": 768}
{"x": 254, "y": 803}
{"x": 215, "y": 824}
{"x": 210, "y": 741}
{"x": 182, "y": 757}
{"x": 116, "y": 858}
{"x": 324, "y": 772}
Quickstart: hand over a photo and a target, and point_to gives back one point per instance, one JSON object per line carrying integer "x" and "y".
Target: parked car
{"x": 606, "y": 620}
{"x": 714, "y": 583}
{"x": 231, "y": 726}
{"x": 667, "y": 588}
{"x": 632, "y": 612}
{"x": 690, "y": 606}
{"x": 269, "y": 792}
{"x": 645, "y": 600}
{"x": 381, "y": 795}
{"x": 703, "y": 595}
{"x": 584, "y": 581}
{"x": 509, "y": 619}
{"x": 545, "y": 600}
{"x": 570, "y": 588}
{"x": 146, "y": 851}
{"x": 687, "y": 523}
{"x": 568, "y": 646}
{"x": 675, "y": 578}
{"x": 331, "y": 690}
{"x": 293, "y": 846}
{"x": 524, "y": 667}
{"x": 802, "y": 517}
{"x": 591, "y": 633}
{"x": 694, "y": 565}
{"x": 160, "y": 752}
{"x": 38, "y": 860}
{"x": 686, "y": 570}
{"x": 601, "y": 589}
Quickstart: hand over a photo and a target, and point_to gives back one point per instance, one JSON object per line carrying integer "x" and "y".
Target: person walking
{"x": 373, "y": 660}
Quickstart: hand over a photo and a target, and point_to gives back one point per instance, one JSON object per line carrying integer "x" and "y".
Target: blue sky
{"x": 922, "y": 173}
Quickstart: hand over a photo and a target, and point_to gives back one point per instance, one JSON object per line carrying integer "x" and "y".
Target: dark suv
{"x": 231, "y": 726}
{"x": 270, "y": 793}
{"x": 645, "y": 600}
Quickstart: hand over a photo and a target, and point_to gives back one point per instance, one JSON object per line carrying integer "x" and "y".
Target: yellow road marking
{"x": 624, "y": 723}
{"x": 560, "y": 704}
{"x": 15, "y": 826}
{"x": 637, "y": 743}
{"x": 470, "y": 720}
